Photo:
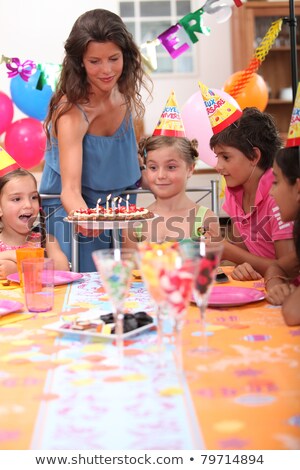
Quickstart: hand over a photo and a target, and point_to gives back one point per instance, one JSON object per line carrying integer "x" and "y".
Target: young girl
{"x": 20, "y": 206}
{"x": 245, "y": 151}
{"x": 169, "y": 163}
{"x": 286, "y": 192}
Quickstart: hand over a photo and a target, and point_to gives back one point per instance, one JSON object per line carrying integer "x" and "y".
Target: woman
{"x": 92, "y": 150}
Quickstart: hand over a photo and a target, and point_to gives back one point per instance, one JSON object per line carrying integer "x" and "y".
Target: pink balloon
{"x": 25, "y": 141}
{"x": 197, "y": 125}
{"x": 6, "y": 111}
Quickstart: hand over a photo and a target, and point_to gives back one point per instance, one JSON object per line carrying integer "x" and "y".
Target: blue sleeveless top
{"x": 110, "y": 165}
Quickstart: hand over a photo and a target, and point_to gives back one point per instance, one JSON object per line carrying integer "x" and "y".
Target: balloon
{"x": 25, "y": 141}
{"x": 197, "y": 125}
{"x": 28, "y": 98}
{"x": 255, "y": 92}
{"x": 6, "y": 111}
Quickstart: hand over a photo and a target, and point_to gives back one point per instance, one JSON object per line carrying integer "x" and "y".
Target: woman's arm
{"x": 54, "y": 251}
{"x": 71, "y": 129}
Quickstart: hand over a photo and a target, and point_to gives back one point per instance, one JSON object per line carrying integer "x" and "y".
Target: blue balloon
{"x": 28, "y": 98}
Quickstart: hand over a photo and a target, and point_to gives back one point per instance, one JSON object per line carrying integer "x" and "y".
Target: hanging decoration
{"x": 260, "y": 54}
{"x": 191, "y": 24}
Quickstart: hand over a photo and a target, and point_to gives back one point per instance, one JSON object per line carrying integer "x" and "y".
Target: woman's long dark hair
{"x": 101, "y": 26}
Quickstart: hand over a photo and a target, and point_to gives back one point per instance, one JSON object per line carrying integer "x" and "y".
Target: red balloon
{"x": 25, "y": 141}
{"x": 255, "y": 94}
{"x": 6, "y": 111}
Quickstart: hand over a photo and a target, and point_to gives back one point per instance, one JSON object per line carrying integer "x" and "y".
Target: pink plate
{"x": 223, "y": 296}
{"x": 9, "y": 306}
{"x": 60, "y": 277}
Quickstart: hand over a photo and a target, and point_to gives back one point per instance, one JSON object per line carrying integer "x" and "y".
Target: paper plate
{"x": 60, "y": 277}
{"x": 232, "y": 296}
{"x": 9, "y": 306}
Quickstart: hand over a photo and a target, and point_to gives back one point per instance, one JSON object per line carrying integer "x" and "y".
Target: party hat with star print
{"x": 7, "y": 163}
{"x": 293, "y": 138}
{"x": 220, "y": 112}
{"x": 170, "y": 122}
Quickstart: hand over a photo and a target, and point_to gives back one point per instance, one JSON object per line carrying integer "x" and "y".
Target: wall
{"x": 37, "y": 30}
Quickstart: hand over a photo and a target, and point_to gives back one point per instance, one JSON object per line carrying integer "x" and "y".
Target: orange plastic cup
{"x": 25, "y": 253}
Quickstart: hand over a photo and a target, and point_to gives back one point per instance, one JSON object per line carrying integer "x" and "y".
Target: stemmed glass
{"x": 115, "y": 268}
{"x": 208, "y": 256}
{"x": 169, "y": 279}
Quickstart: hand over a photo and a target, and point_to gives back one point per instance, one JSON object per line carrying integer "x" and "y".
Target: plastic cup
{"x": 26, "y": 253}
{"x": 38, "y": 279}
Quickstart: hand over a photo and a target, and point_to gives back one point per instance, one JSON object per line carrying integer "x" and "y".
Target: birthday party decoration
{"x": 6, "y": 112}
{"x": 7, "y": 163}
{"x": 197, "y": 125}
{"x": 220, "y": 112}
{"x": 25, "y": 140}
{"x": 25, "y": 70}
{"x": 293, "y": 138}
{"x": 191, "y": 24}
{"x": 28, "y": 98}
{"x": 170, "y": 122}
{"x": 254, "y": 93}
{"x": 260, "y": 54}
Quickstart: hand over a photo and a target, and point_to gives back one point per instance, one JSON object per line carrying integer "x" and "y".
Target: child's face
{"x": 167, "y": 172}
{"x": 19, "y": 204}
{"x": 285, "y": 194}
{"x": 233, "y": 165}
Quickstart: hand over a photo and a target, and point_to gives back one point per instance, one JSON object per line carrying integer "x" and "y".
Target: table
{"x": 60, "y": 392}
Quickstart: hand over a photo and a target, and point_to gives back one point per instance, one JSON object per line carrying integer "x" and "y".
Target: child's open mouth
{"x": 25, "y": 218}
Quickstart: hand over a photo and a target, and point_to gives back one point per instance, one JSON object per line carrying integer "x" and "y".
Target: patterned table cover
{"x": 240, "y": 388}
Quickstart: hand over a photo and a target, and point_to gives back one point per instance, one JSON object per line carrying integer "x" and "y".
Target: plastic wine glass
{"x": 208, "y": 255}
{"x": 177, "y": 283}
{"x": 169, "y": 280}
{"x": 115, "y": 268}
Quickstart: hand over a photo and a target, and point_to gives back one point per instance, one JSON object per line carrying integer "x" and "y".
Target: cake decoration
{"x": 114, "y": 213}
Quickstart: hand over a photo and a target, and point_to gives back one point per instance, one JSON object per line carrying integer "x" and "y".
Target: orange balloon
{"x": 255, "y": 93}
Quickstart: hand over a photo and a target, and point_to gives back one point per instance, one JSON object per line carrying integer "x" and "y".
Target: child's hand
{"x": 279, "y": 292}
{"x": 7, "y": 267}
{"x": 245, "y": 272}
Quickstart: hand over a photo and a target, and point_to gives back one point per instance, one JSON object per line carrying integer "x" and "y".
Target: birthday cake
{"x": 132, "y": 212}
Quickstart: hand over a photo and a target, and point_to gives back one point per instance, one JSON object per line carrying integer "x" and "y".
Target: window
{"x": 148, "y": 19}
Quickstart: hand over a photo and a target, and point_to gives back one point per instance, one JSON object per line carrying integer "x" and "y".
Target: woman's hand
{"x": 245, "y": 272}
{"x": 278, "y": 293}
{"x": 88, "y": 232}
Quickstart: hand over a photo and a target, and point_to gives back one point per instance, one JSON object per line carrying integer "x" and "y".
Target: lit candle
{"x": 113, "y": 204}
{"x": 119, "y": 202}
{"x": 127, "y": 202}
{"x": 98, "y": 204}
{"x": 107, "y": 202}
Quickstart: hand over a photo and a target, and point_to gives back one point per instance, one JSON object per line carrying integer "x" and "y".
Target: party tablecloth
{"x": 240, "y": 387}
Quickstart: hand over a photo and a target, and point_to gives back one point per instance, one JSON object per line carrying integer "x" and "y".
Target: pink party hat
{"x": 221, "y": 113}
{"x": 170, "y": 122}
{"x": 293, "y": 138}
{"x": 7, "y": 163}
